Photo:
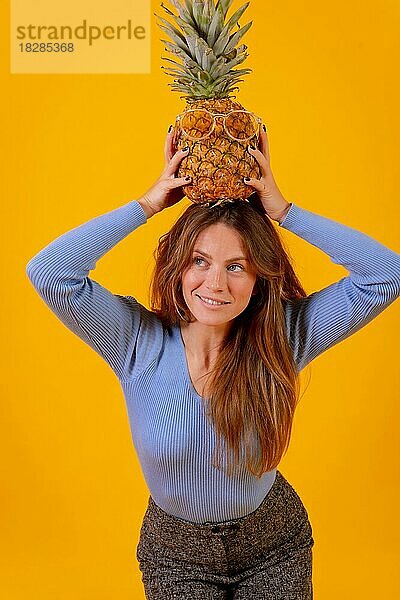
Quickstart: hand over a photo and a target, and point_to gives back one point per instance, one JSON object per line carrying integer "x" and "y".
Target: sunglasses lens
{"x": 196, "y": 123}
{"x": 241, "y": 125}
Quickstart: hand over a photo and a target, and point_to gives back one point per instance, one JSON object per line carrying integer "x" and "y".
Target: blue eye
{"x": 198, "y": 261}
{"x": 235, "y": 268}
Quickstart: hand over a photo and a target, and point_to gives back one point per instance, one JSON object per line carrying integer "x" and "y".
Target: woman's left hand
{"x": 266, "y": 188}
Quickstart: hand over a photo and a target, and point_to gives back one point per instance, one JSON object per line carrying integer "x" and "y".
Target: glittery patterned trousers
{"x": 264, "y": 555}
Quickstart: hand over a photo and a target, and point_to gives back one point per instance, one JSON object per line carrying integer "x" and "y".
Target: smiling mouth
{"x": 211, "y": 302}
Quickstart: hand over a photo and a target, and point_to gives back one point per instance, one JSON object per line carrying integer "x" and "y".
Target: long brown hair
{"x": 253, "y": 387}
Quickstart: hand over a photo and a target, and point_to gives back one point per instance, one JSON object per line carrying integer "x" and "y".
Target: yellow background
{"x": 325, "y": 80}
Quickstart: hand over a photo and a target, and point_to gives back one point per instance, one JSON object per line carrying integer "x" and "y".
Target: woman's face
{"x": 219, "y": 283}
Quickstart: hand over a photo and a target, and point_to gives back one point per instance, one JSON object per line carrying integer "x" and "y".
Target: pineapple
{"x": 202, "y": 39}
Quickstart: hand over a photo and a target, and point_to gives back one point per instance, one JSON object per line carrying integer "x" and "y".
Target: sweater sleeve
{"x": 118, "y": 328}
{"x": 328, "y": 316}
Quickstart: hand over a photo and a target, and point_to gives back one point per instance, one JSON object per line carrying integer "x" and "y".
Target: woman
{"x": 210, "y": 374}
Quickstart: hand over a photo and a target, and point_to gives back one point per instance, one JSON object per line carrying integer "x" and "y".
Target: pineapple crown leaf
{"x": 216, "y": 25}
{"x": 169, "y": 47}
{"x": 200, "y": 16}
{"x": 186, "y": 27}
{"x": 188, "y": 63}
{"x": 180, "y": 70}
{"x": 232, "y": 63}
{"x": 204, "y": 42}
{"x": 236, "y": 37}
{"x": 173, "y": 33}
{"x": 169, "y": 12}
{"x": 183, "y": 12}
{"x": 183, "y": 77}
{"x": 204, "y": 52}
{"x": 188, "y": 5}
{"x": 234, "y": 19}
{"x": 176, "y": 65}
{"x": 223, "y": 6}
{"x": 234, "y": 79}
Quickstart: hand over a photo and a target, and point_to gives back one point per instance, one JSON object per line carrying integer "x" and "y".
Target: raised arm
{"x": 107, "y": 322}
{"x": 114, "y": 326}
{"x": 330, "y": 315}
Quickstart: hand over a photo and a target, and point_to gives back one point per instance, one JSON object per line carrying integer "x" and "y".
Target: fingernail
{"x": 185, "y": 149}
{"x": 246, "y": 178}
{"x": 170, "y": 128}
{"x": 188, "y": 178}
{"x": 265, "y": 129}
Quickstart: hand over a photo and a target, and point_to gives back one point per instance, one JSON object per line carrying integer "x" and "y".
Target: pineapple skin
{"x": 217, "y": 164}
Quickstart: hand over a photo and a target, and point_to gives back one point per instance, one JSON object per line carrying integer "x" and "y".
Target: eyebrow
{"x": 228, "y": 260}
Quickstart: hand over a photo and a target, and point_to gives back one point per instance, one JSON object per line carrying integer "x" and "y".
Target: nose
{"x": 215, "y": 280}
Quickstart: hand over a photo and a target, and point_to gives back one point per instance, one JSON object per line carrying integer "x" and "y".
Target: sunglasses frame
{"x": 215, "y": 116}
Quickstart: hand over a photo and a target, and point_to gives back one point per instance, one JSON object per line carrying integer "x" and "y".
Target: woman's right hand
{"x": 167, "y": 189}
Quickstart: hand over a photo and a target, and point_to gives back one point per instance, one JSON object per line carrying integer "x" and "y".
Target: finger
{"x": 264, "y": 144}
{"x": 260, "y": 158}
{"x": 174, "y": 162}
{"x": 255, "y": 183}
{"x": 168, "y": 146}
{"x": 178, "y": 182}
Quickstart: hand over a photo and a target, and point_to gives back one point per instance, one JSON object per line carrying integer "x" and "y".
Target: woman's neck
{"x": 203, "y": 342}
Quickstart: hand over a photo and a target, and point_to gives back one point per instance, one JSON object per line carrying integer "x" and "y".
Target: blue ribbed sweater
{"x": 173, "y": 439}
